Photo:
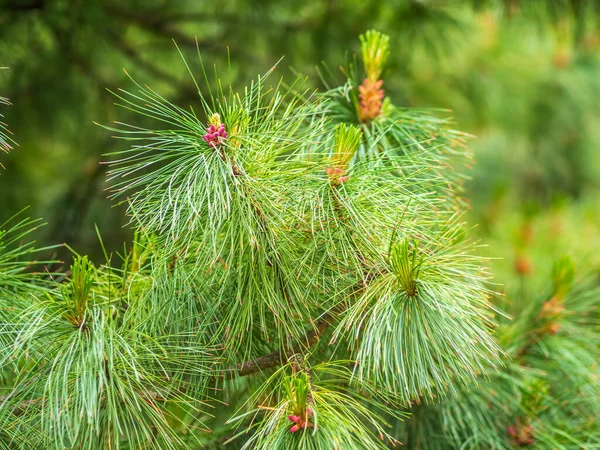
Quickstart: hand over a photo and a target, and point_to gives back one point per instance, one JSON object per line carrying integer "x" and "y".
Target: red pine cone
{"x": 301, "y": 423}
{"x": 214, "y": 136}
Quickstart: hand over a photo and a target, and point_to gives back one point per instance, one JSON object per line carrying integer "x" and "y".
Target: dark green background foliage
{"x": 522, "y": 76}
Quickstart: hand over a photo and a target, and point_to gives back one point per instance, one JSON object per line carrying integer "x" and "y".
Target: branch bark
{"x": 280, "y": 357}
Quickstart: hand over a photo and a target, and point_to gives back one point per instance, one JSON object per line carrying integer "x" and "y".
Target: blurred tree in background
{"x": 523, "y": 76}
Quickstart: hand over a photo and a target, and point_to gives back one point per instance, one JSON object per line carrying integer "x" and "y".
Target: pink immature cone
{"x": 522, "y": 435}
{"x": 215, "y": 136}
{"x": 301, "y": 424}
{"x": 336, "y": 175}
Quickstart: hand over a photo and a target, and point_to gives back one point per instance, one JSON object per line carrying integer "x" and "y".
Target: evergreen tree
{"x": 300, "y": 277}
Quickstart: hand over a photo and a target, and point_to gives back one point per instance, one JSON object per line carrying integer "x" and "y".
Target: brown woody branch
{"x": 278, "y": 358}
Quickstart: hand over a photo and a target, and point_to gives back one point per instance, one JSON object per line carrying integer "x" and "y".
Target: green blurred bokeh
{"x": 522, "y": 76}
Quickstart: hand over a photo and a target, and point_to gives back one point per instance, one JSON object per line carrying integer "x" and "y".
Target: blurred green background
{"x": 522, "y": 76}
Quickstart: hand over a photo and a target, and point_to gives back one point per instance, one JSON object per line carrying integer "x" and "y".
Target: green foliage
{"x": 80, "y": 373}
{"x": 424, "y": 323}
{"x": 5, "y": 139}
{"x": 521, "y": 75}
{"x": 374, "y": 49}
{"x": 337, "y": 414}
{"x": 280, "y": 221}
{"x": 547, "y": 394}
{"x": 17, "y": 254}
{"x": 301, "y": 274}
{"x": 226, "y": 211}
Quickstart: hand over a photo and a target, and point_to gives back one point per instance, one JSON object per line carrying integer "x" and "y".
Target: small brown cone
{"x": 370, "y": 96}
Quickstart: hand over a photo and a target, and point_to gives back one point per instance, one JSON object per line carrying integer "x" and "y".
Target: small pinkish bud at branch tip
{"x": 300, "y": 422}
{"x": 521, "y": 434}
{"x": 215, "y": 135}
{"x": 336, "y": 175}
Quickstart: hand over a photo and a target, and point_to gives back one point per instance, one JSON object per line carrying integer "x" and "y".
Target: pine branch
{"x": 278, "y": 358}
{"x": 321, "y": 325}
{"x": 20, "y": 408}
